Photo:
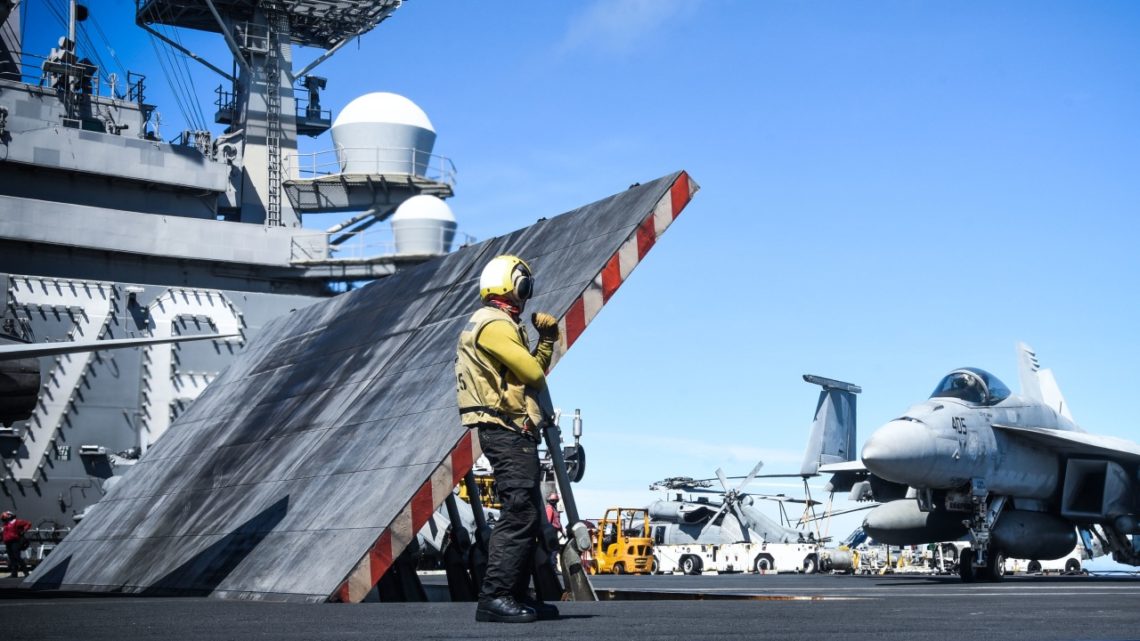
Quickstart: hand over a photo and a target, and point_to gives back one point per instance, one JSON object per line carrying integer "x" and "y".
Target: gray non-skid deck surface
{"x": 853, "y": 608}
{"x": 279, "y": 478}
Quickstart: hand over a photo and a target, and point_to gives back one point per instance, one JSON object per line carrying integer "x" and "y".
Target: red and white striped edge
{"x": 459, "y": 460}
{"x": 415, "y": 514}
{"x": 621, "y": 264}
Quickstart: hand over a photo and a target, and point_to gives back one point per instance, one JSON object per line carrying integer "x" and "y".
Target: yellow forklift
{"x": 622, "y": 544}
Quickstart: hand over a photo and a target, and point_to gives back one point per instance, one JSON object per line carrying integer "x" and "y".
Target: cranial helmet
{"x": 7, "y": 516}
{"x": 507, "y": 276}
{"x": 553, "y": 498}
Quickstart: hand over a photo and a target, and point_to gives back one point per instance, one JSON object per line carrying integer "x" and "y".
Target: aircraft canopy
{"x": 972, "y": 385}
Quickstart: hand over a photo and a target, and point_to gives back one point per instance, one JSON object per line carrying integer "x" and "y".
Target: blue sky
{"x": 889, "y": 190}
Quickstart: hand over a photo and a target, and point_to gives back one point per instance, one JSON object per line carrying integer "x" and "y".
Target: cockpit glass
{"x": 962, "y": 385}
{"x": 971, "y": 385}
{"x": 997, "y": 389}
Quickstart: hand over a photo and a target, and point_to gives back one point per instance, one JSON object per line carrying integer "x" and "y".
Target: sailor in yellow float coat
{"x": 497, "y": 380}
{"x": 496, "y": 375}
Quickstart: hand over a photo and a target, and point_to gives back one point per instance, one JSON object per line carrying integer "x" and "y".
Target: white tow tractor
{"x": 766, "y": 558}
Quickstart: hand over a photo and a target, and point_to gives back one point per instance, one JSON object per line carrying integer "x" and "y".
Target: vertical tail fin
{"x": 833, "y": 429}
{"x": 1027, "y": 368}
{"x": 1039, "y": 384}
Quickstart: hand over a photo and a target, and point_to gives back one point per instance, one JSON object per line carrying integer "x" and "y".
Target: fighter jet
{"x": 1011, "y": 473}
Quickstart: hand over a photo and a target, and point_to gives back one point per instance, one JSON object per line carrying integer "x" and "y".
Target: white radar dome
{"x": 383, "y": 133}
{"x": 423, "y": 225}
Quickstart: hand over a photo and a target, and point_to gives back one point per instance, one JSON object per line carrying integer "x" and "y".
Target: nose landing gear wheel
{"x": 966, "y": 565}
{"x": 995, "y": 566}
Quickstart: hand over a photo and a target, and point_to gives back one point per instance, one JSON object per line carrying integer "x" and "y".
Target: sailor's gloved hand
{"x": 546, "y": 325}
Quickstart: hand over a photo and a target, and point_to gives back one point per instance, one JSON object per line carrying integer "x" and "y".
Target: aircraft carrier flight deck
{"x": 646, "y": 607}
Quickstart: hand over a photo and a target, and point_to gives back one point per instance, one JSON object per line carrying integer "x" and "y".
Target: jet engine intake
{"x": 680, "y": 511}
{"x": 885, "y": 491}
{"x": 1096, "y": 491}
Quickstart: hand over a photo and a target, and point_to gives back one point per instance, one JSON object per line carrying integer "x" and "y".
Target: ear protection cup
{"x": 524, "y": 284}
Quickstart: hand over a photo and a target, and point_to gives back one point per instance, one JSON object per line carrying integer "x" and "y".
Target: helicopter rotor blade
{"x": 745, "y": 527}
{"x": 720, "y": 477}
{"x": 751, "y": 475}
{"x": 723, "y": 506}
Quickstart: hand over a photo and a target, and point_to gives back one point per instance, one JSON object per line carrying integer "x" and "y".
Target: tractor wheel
{"x": 764, "y": 563}
{"x": 1072, "y": 566}
{"x": 619, "y": 568}
{"x": 691, "y": 565}
{"x": 811, "y": 564}
{"x": 1034, "y": 567}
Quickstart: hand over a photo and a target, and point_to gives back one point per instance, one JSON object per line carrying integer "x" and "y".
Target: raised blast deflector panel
{"x": 308, "y": 465}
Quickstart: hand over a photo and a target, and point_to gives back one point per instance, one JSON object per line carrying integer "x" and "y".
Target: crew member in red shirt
{"x": 14, "y": 543}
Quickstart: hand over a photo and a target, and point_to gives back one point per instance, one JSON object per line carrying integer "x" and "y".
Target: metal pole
{"x": 573, "y": 573}
{"x": 553, "y": 435}
{"x": 475, "y": 500}
{"x": 189, "y": 53}
{"x": 229, "y": 39}
{"x": 324, "y": 56}
{"x": 71, "y": 23}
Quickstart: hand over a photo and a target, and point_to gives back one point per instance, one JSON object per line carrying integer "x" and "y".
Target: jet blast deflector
{"x": 306, "y": 468}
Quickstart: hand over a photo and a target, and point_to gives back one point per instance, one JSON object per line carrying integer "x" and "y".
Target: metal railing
{"x": 368, "y": 244}
{"x": 32, "y": 70}
{"x": 305, "y": 108}
{"x": 373, "y": 160}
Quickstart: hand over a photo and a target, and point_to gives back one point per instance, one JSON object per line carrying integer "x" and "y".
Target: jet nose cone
{"x": 899, "y": 451}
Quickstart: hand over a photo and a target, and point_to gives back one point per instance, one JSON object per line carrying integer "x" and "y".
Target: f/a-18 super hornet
{"x": 1014, "y": 474}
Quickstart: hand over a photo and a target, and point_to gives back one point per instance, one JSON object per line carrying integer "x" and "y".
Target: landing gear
{"x": 992, "y": 570}
{"x": 995, "y": 566}
{"x": 983, "y": 563}
{"x": 966, "y": 565}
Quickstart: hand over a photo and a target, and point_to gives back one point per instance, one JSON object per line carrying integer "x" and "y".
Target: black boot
{"x": 545, "y": 611}
{"x": 504, "y": 610}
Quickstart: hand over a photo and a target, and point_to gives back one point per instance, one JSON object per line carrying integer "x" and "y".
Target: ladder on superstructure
{"x": 278, "y": 26}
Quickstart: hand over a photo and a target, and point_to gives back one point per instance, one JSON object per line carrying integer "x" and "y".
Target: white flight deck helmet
{"x": 507, "y": 276}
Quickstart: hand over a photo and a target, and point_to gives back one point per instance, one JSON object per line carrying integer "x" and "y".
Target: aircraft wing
{"x": 848, "y": 476}
{"x": 846, "y": 466}
{"x": 1079, "y": 443}
{"x": 35, "y": 350}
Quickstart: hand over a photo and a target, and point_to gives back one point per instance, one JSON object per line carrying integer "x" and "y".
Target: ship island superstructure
{"x": 109, "y": 231}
